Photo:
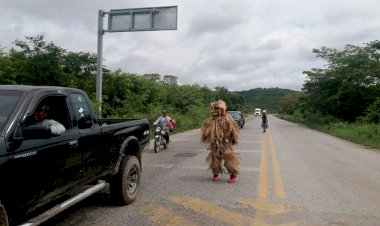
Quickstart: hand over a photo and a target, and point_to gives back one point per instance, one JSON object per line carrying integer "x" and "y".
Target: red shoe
{"x": 233, "y": 179}
{"x": 214, "y": 178}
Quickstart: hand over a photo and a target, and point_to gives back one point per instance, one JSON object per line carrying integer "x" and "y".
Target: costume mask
{"x": 218, "y": 108}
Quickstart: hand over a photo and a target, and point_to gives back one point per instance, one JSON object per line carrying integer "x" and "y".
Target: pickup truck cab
{"x": 257, "y": 111}
{"x": 37, "y": 168}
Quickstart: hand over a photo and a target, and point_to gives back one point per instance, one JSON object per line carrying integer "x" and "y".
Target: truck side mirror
{"x": 84, "y": 123}
{"x": 37, "y": 132}
{"x": 17, "y": 136}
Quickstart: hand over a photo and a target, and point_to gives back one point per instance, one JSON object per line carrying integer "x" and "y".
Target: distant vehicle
{"x": 257, "y": 111}
{"x": 239, "y": 118}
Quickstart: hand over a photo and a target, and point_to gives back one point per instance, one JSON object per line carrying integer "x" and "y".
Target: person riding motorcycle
{"x": 164, "y": 122}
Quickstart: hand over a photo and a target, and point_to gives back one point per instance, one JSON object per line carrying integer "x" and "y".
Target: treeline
{"x": 125, "y": 95}
{"x": 264, "y": 98}
{"x": 347, "y": 89}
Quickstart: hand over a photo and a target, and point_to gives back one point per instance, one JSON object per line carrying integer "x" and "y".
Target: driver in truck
{"x": 41, "y": 117}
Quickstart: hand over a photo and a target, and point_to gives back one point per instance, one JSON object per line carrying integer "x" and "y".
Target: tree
{"x": 7, "y": 72}
{"x": 40, "y": 62}
{"x": 80, "y": 71}
{"x": 170, "y": 80}
{"x": 154, "y": 77}
{"x": 372, "y": 113}
{"x": 348, "y": 84}
{"x": 290, "y": 103}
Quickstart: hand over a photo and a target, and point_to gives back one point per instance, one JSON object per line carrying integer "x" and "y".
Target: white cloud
{"x": 237, "y": 44}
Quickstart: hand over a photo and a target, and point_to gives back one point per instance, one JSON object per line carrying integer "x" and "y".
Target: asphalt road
{"x": 290, "y": 175}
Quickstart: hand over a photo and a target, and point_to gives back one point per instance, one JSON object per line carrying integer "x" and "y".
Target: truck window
{"x": 80, "y": 106}
{"x": 56, "y": 109}
{"x": 9, "y": 100}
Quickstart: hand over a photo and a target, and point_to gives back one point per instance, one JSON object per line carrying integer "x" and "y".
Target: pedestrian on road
{"x": 264, "y": 123}
{"x": 220, "y": 133}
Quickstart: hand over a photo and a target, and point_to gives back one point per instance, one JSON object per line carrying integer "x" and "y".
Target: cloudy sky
{"x": 239, "y": 44}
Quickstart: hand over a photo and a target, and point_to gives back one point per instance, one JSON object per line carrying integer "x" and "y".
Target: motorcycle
{"x": 159, "y": 139}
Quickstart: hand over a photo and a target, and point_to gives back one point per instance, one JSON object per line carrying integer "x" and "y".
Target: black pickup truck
{"x": 38, "y": 169}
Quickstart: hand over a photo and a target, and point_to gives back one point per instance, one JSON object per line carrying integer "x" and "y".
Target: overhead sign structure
{"x": 143, "y": 19}
{"x": 128, "y": 20}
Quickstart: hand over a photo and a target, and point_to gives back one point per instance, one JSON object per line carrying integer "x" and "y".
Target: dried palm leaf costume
{"x": 220, "y": 133}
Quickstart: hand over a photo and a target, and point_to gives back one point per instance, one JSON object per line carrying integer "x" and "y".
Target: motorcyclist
{"x": 164, "y": 122}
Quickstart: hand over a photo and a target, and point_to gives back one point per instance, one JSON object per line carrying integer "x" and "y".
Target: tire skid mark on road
{"x": 163, "y": 217}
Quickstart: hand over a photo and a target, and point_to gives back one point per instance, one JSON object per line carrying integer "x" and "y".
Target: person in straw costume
{"x": 220, "y": 132}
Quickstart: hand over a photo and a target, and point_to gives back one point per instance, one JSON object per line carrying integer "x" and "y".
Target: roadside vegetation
{"x": 342, "y": 99}
{"x": 264, "y": 98}
{"x": 34, "y": 61}
{"x": 367, "y": 134}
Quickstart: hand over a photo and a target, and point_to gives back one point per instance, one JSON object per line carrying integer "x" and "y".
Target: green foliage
{"x": 264, "y": 98}
{"x": 310, "y": 119}
{"x": 39, "y": 62}
{"x": 348, "y": 84}
{"x": 366, "y": 134}
{"x": 170, "y": 80}
{"x": 347, "y": 90}
{"x": 290, "y": 103}
{"x": 7, "y": 71}
{"x": 192, "y": 120}
{"x": 372, "y": 113}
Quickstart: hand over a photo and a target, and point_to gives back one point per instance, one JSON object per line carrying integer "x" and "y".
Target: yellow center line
{"x": 163, "y": 217}
{"x": 276, "y": 171}
{"x": 264, "y": 208}
{"x": 213, "y": 211}
{"x": 263, "y": 181}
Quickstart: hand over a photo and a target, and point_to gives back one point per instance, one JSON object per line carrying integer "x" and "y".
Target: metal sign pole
{"x": 127, "y": 20}
{"x": 99, "y": 57}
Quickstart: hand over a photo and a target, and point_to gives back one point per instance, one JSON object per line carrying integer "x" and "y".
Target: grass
{"x": 365, "y": 134}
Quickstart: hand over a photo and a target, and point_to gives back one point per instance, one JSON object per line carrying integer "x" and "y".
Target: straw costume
{"x": 220, "y": 133}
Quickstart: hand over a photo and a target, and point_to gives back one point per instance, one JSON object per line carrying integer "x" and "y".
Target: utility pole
{"x": 99, "y": 63}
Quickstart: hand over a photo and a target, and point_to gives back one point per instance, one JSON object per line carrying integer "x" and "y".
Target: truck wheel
{"x": 3, "y": 216}
{"x": 124, "y": 186}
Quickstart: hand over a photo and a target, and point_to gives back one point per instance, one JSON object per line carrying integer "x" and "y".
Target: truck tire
{"x": 125, "y": 184}
{"x": 3, "y": 216}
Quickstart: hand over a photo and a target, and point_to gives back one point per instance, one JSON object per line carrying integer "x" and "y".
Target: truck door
{"x": 44, "y": 167}
{"x": 90, "y": 140}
